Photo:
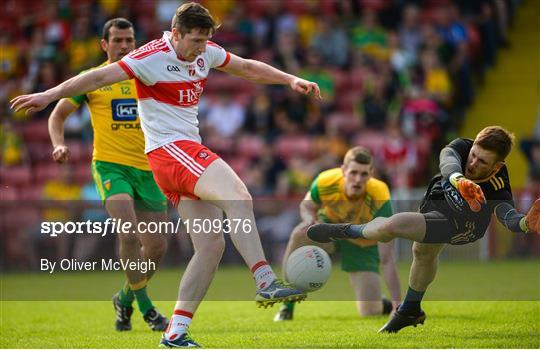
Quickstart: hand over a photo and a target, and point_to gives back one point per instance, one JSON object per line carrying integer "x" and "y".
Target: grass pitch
{"x": 505, "y": 312}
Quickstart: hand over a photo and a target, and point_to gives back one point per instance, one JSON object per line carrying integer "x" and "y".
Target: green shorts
{"x": 355, "y": 258}
{"x": 113, "y": 178}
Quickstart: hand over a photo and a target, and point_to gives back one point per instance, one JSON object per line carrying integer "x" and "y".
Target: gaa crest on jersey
{"x": 107, "y": 184}
{"x": 203, "y": 155}
{"x": 124, "y": 109}
{"x": 200, "y": 63}
{"x": 191, "y": 70}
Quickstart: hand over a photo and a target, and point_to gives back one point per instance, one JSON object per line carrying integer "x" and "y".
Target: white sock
{"x": 178, "y": 324}
{"x": 263, "y": 274}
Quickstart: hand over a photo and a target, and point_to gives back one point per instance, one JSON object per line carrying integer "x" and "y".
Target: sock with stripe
{"x": 263, "y": 274}
{"x": 179, "y": 324}
{"x": 126, "y": 295}
{"x": 143, "y": 301}
{"x": 411, "y": 303}
{"x": 356, "y": 231}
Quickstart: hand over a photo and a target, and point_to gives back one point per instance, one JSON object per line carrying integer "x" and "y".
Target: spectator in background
{"x": 432, "y": 79}
{"x": 307, "y": 22}
{"x": 454, "y": 35}
{"x": 293, "y": 115}
{"x": 288, "y": 55}
{"x": 331, "y": 43}
{"x": 12, "y": 149}
{"x": 410, "y": 32}
{"x": 259, "y": 115}
{"x": 230, "y": 37}
{"x": 83, "y": 49}
{"x": 48, "y": 77}
{"x": 398, "y": 158}
{"x": 9, "y": 56}
{"x": 296, "y": 178}
{"x": 226, "y": 116}
{"x": 315, "y": 71}
{"x": 271, "y": 166}
{"x": 273, "y": 22}
{"x": 379, "y": 101}
{"x": 369, "y": 37}
{"x": 400, "y": 59}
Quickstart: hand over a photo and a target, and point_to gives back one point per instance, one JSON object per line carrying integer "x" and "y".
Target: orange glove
{"x": 532, "y": 220}
{"x": 471, "y": 192}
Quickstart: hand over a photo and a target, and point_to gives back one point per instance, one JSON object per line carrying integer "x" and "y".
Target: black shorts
{"x": 441, "y": 228}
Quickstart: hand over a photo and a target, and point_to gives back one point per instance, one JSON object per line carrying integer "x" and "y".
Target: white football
{"x": 308, "y": 268}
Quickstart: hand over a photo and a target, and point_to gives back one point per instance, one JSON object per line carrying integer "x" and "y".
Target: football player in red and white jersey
{"x": 170, "y": 75}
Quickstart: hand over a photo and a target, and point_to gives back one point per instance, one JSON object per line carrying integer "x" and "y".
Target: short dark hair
{"x": 359, "y": 155}
{"x": 120, "y": 23}
{"x": 193, "y": 15}
{"x": 496, "y": 139}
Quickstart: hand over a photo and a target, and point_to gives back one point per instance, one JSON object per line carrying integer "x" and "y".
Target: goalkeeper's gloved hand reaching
{"x": 471, "y": 192}
{"x": 532, "y": 219}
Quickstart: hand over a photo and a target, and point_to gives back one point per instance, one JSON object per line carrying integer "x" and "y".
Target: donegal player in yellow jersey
{"x": 121, "y": 172}
{"x": 350, "y": 194}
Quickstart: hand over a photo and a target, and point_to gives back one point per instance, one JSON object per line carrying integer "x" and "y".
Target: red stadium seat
{"x": 239, "y": 164}
{"x": 341, "y": 81}
{"x": 16, "y": 176}
{"x": 46, "y": 171}
{"x": 36, "y": 131}
{"x": 83, "y": 174}
{"x": 31, "y": 192}
{"x": 297, "y": 145}
{"x": 8, "y": 193}
{"x": 373, "y": 140}
{"x": 250, "y": 145}
{"x": 346, "y": 103}
{"x": 220, "y": 145}
{"x": 76, "y": 151}
{"x": 39, "y": 152}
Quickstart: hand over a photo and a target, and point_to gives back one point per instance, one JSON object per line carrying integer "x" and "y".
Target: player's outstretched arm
{"x": 78, "y": 85}
{"x": 60, "y": 113}
{"x": 517, "y": 222}
{"x": 308, "y": 210}
{"x": 260, "y": 72}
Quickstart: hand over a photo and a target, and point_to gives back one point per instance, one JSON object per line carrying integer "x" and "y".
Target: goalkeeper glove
{"x": 531, "y": 222}
{"x": 471, "y": 192}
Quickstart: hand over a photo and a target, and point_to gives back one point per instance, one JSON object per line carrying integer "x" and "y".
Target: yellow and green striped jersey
{"x": 328, "y": 190}
{"x": 118, "y": 137}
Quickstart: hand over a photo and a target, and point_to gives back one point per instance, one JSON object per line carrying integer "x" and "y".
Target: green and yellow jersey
{"x": 328, "y": 190}
{"x": 118, "y": 137}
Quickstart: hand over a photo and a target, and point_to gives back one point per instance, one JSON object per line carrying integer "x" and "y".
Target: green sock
{"x": 143, "y": 300}
{"x": 126, "y": 295}
{"x": 289, "y": 305}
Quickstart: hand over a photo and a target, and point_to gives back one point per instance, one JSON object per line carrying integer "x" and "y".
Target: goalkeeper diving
{"x": 472, "y": 184}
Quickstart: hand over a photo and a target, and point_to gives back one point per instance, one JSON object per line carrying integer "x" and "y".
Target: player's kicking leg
{"x": 297, "y": 239}
{"x": 208, "y": 250}
{"x": 423, "y": 271}
{"x": 121, "y": 206}
{"x": 220, "y": 185}
{"x": 408, "y": 225}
